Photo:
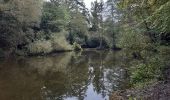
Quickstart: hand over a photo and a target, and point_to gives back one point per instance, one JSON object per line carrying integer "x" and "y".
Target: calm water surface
{"x": 89, "y": 75}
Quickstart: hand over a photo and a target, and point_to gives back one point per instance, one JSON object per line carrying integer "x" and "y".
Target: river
{"x": 87, "y": 75}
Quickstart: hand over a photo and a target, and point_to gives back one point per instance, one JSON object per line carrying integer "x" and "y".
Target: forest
{"x": 40, "y": 27}
{"x": 140, "y": 29}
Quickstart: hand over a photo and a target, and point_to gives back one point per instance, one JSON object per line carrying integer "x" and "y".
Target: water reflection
{"x": 90, "y": 75}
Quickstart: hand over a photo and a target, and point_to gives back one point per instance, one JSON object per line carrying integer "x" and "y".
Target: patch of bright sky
{"x": 88, "y": 3}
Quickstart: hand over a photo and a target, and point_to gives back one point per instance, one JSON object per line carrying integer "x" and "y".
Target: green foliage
{"x": 149, "y": 70}
{"x": 160, "y": 19}
{"x": 16, "y": 24}
{"x": 77, "y": 28}
{"x": 78, "y": 23}
{"x": 57, "y": 16}
{"x": 133, "y": 41}
{"x": 111, "y": 32}
{"x": 19, "y": 9}
{"x": 95, "y": 16}
{"x": 46, "y": 46}
{"x": 129, "y": 23}
{"x": 77, "y": 47}
{"x": 145, "y": 29}
{"x": 54, "y": 18}
{"x": 59, "y": 43}
{"x": 94, "y": 40}
{"x": 40, "y": 46}
{"x": 164, "y": 52}
{"x": 150, "y": 15}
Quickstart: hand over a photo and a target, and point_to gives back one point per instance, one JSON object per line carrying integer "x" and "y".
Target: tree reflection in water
{"x": 90, "y": 75}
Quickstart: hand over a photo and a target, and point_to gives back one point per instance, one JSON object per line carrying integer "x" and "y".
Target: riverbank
{"x": 157, "y": 91}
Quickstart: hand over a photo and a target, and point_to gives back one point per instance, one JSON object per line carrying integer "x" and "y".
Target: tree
{"x": 160, "y": 22}
{"x": 113, "y": 16}
{"x": 95, "y": 16}
{"x": 78, "y": 24}
{"x": 97, "y": 19}
{"x": 16, "y": 24}
{"x": 142, "y": 12}
{"x": 54, "y": 18}
{"x": 77, "y": 28}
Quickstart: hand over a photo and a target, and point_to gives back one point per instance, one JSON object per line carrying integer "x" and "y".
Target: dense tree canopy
{"x": 54, "y": 18}
{"x": 106, "y": 24}
{"x": 18, "y": 21}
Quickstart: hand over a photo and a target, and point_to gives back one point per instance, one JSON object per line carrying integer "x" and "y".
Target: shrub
{"x": 59, "y": 43}
{"x": 146, "y": 72}
{"x": 55, "y": 42}
{"x": 94, "y": 42}
{"x": 80, "y": 41}
{"x": 106, "y": 42}
{"x": 77, "y": 47}
{"x": 133, "y": 41}
{"x": 40, "y": 46}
